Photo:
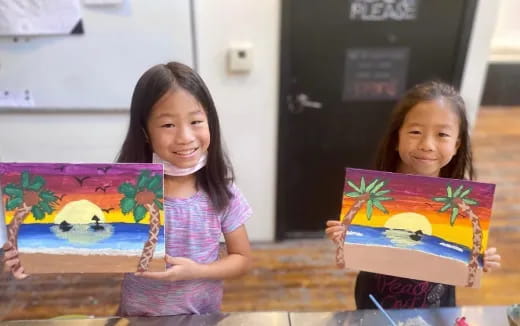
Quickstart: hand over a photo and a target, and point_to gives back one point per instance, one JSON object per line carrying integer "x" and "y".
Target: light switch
{"x": 240, "y": 58}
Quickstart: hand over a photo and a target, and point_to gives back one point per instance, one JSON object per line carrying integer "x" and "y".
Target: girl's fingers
{"x": 335, "y": 235}
{"x": 493, "y": 265}
{"x": 12, "y": 263}
{"x": 7, "y": 246}
{"x": 9, "y": 254}
{"x": 334, "y": 229}
{"x": 489, "y": 266}
{"x": 155, "y": 275}
{"x": 492, "y": 258}
{"x": 19, "y": 273}
{"x": 333, "y": 223}
{"x": 491, "y": 251}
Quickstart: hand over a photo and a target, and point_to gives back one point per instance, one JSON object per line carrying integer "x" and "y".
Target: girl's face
{"x": 428, "y": 138}
{"x": 178, "y": 129}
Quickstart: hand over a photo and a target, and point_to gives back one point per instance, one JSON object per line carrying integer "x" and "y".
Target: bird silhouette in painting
{"x": 107, "y": 210}
{"x": 61, "y": 197}
{"x": 430, "y": 205}
{"x": 81, "y": 180}
{"x": 96, "y": 227}
{"x": 60, "y": 168}
{"x": 102, "y": 188}
{"x": 64, "y": 226}
{"x": 105, "y": 169}
{"x": 417, "y": 235}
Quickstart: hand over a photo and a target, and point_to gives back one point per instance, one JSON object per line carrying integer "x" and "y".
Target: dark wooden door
{"x": 343, "y": 66}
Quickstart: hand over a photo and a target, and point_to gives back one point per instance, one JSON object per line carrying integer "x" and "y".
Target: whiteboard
{"x": 98, "y": 69}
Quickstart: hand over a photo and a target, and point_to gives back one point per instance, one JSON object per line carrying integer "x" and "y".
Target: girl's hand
{"x": 182, "y": 269}
{"x": 236, "y": 263}
{"x": 11, "y": 262}
{"x": 491, "y": 259}
{"x": 334, "y": 230}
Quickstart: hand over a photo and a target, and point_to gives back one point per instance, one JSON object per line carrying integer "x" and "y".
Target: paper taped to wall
{"x": 40, "y": 17}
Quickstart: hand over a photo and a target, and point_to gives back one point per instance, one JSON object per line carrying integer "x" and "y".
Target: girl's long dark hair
{"x": 461, "y": 165}
{"x": 217, "y": 175}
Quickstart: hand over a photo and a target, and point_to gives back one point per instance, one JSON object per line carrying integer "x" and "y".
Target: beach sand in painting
{"x": 49, "y": 263}
{"x": 408, "y": 263}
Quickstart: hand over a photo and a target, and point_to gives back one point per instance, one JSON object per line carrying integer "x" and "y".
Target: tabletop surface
{"x": 475, "y": 316}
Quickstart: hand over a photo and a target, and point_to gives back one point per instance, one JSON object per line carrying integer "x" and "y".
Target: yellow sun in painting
{"x": 79, "y": 212}
{"x": 409, "y": 221}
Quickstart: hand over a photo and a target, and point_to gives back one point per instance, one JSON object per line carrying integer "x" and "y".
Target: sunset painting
{"x": 425, "y": 228}
{"x": 95, "y": 218}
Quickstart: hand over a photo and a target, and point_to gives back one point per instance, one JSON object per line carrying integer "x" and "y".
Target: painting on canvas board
{"x": 424, "y": 228}
{"x": 95, "y": 218}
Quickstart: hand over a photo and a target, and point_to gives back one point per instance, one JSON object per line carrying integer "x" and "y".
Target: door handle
{"x": 305, "y": 102}
{"x": 301, "y": 102}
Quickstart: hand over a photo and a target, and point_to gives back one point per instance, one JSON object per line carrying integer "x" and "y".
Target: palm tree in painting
{"x": 458, "y": 202}
{"x": 371, "y": 195}
{"x": 140, "y": 198}
{"x": 29, "y": 196}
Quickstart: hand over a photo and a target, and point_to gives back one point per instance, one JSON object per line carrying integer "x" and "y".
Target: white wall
{"x": 506, "y": 36}
{"x": 505, "y": 45}
{"x": 247, "y": 104}
{"x": 61, "y": 137}
{"x": 479, "y": 51}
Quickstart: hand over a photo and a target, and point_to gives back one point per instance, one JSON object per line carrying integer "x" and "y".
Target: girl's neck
{"x": 180, "y": 186}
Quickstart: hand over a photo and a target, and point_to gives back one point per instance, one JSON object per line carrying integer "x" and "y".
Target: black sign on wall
{"x": 374, "y": 74}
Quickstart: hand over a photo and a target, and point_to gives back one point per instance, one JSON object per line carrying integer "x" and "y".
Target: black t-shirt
{"x": 397, "y": 293}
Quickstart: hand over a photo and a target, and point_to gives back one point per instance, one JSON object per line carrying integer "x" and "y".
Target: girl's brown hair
{"x": 461, "y": 165}
{"x": 217, "y": 175}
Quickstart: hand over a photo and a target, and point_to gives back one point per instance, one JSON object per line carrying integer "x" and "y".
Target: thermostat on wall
{"x": 240, "y": 58}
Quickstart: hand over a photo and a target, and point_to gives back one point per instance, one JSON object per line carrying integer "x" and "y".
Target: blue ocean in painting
{"x": 358, "y": 234}
{"x": 110, "y": 238}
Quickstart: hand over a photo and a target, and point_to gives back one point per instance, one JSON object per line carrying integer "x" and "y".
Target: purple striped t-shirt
{"x": 192, "y": 229}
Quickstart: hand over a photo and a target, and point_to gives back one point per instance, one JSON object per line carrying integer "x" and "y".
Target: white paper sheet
{"x": 39, "y": 17}
{"x": 17, "y": 98}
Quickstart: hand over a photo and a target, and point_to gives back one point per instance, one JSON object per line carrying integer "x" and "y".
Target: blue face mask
{"x": 170, "y": 169}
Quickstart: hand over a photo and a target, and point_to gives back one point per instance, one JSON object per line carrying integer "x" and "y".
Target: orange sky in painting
{"x": 98, "y": 183}
{"x": 102, "y": 200}
{"x": 423, "y": 206}
{"x": 460, "y": 232}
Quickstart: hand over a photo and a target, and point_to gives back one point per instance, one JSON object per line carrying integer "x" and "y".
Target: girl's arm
{"x": 236, "y": 263}
{"x": 238, "y": 260}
